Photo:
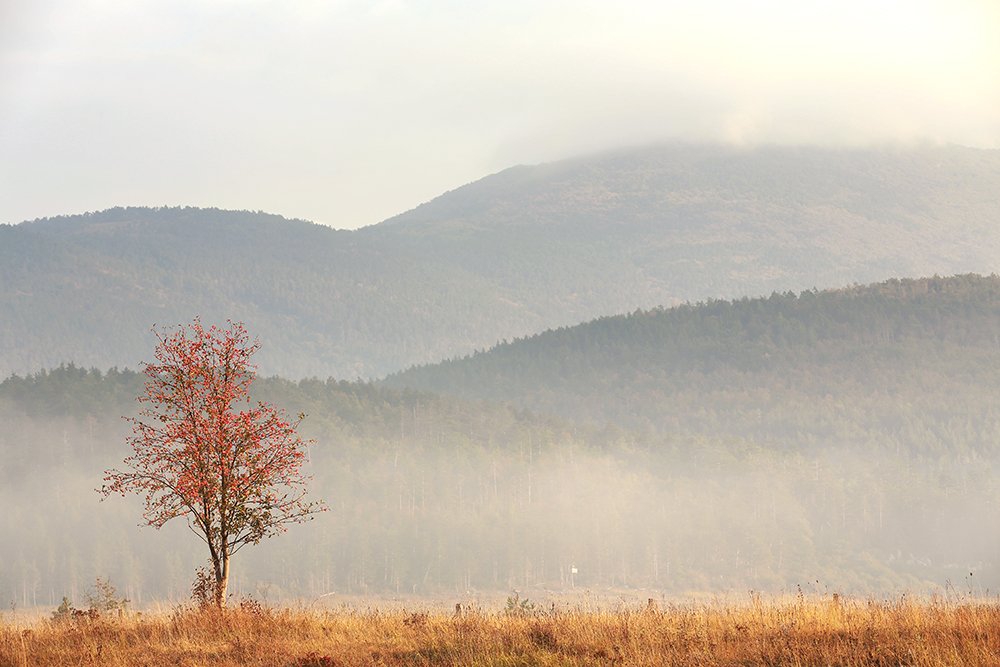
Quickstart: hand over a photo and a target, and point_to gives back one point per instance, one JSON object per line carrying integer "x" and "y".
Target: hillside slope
{"x": 515, "y": 253}
{"x": 664, "y": 225}
{"x": 324, "y": 302}
{"x": 911, "y": 365}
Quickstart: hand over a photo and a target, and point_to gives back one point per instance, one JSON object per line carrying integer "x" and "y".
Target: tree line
{"x": 434, "y": 495}
{"x": 912, "y": 366}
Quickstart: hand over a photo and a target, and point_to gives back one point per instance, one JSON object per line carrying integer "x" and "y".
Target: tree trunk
{"x": 222, "y": 580}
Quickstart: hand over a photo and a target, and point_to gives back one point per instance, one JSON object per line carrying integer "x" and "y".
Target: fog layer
{"x": 434, "y": 496}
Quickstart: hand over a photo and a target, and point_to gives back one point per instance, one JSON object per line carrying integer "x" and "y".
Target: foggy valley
{"x": 839, "y": 440}
{"x": 403, "y": 333}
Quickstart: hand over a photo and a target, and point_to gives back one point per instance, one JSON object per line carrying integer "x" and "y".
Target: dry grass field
{"x": 797, "y": 631}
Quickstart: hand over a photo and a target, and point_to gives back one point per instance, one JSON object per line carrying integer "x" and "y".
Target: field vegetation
{"x": 800, "y": 630}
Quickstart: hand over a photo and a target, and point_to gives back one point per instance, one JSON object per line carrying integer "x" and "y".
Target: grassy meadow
{"x": 817, "y": 630}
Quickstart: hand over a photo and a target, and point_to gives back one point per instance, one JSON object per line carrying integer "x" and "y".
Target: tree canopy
{"x": 233, "y": 472}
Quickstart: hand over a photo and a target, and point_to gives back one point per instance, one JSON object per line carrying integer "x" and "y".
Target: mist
{"x": 743, "y": 459}
{"x": 434, "y": 498}
{"x": 348, "y": 113}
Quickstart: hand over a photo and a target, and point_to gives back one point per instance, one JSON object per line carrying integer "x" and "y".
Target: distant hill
{"x": 659, "y": 226}
{"x": 909, "y": 366}
{"x": 324, "y": 302}
{"x": 515, "y": 253}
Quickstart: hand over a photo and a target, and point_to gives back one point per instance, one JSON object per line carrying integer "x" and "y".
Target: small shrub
{"x": 205, "y": 590}
{"x": 415, "y": 620}
{"x": 543, "y": 636}
{"x": 518, "y": 607}
{"x": 64, "y": 612}
{"x": 79, "y": 615}
{"x": 253, "y": 608}
{"x": 104, "y": 599}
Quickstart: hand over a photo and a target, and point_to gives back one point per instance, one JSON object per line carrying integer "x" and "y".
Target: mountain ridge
{"x": 905, "y": 364}
{"x": 520, "y": 251}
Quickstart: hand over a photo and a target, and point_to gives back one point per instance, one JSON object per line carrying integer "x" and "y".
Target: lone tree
{"x": 235, "y": 474}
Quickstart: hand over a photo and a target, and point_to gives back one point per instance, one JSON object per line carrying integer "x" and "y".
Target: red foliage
{"x": 233, "y": 471}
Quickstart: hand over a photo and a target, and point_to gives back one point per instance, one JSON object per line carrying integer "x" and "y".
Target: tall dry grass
{"x": 756, "y": 632}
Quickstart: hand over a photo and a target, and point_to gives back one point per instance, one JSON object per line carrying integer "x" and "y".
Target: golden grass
{"x": 778, "y": 632}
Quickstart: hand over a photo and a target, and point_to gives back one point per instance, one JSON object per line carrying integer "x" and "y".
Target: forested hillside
{"x": 912, "y": 366}
{"x": 433, "y": 495}
{"x": 88, "y": 289}
{"x": 515, "y": 253}
{"x": 663, "y": 225}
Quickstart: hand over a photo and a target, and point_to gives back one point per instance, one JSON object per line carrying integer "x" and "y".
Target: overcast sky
{"x": 348, "y": 112}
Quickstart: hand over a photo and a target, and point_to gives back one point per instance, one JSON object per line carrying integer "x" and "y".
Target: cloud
{"x": 349, "y": 112}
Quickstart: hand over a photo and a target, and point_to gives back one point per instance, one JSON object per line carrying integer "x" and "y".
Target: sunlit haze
{"x": 349, "y": 112}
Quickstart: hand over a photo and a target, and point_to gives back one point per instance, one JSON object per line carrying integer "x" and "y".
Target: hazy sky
{"x": 348, "y": 112}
